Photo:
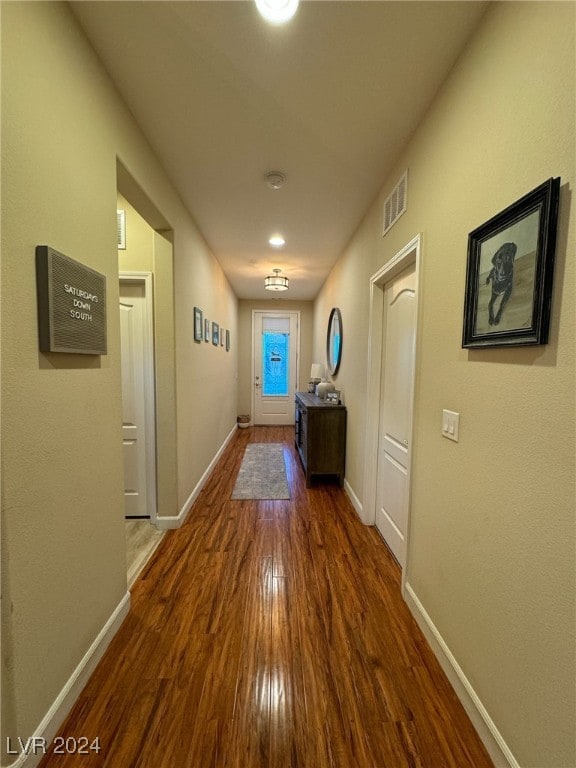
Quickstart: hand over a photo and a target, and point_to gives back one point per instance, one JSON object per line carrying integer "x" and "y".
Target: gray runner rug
{"x": 262, "y": 473}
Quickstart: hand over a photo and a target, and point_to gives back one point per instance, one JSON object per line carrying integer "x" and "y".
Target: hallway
{"x": 270, "y": 634}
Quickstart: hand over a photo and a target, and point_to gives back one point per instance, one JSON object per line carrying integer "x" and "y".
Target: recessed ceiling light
{"x": 277, "y": 241}
{"x": 277, "y": 11}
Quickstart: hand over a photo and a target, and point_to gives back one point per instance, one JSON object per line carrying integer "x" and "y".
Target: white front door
{"x": 397, "y": 376}
{"x": 137, "y": 432}
{"x": 275, "y": 364}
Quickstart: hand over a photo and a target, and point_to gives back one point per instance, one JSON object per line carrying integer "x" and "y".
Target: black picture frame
{"x": 215, "y": 334}
{"x": 206, "y": 329}
{"x": 509, "y": 273}
{"x": 227, "y": 341}
{"x": 198, "y": 324}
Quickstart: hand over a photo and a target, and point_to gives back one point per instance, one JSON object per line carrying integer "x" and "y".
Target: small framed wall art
{"x": 215, "y": 333}
{"x": 198, "y": 325}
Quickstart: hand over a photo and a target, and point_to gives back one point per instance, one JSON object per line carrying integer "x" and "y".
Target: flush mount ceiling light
{"x": 277, "y": 11}
{"x": 276, "y": 282}
{"x": 275, "y": 179}
{"x": 277, "y": 241}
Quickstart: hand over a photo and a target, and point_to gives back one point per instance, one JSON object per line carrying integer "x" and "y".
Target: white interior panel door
{"x": 275, "y": 363}
{"x": 397, "y": 376}
{"x": 132, "y": 332}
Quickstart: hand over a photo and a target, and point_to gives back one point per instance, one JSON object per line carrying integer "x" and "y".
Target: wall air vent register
{"x": 396, "y": 203}
{"x": 121, "y": 229}
{"x": 71, "y": 305}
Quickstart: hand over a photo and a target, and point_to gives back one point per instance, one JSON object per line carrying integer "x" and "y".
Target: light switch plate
{"x": 450, "y": 425}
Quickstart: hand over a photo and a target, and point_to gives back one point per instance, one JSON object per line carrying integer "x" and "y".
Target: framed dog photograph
{"x": 509, "y": 272}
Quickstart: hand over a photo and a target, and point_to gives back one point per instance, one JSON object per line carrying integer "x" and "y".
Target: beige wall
{"x": 348, "y": 289}
{"x": 245, "y": 309}
{"x": 63, "y": 556}
{"x": 491, "y": 552}
{"x": 165, "y": 363}
{"x": 206, "y": 375}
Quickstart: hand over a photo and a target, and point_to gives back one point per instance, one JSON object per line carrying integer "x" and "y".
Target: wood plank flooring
{"x": 142, "y": 538}
{"x": 270, "y": 634}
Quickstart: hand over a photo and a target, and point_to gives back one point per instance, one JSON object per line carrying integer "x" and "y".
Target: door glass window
{"x": 275, "y": 352}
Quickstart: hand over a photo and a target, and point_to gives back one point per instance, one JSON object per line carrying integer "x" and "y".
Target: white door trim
{"x": 272, "y": 313}
{"x": 410, "y": 254}
{"x": 146, "y": 279}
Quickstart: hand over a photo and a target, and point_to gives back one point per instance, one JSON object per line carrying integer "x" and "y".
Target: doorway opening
{"x": 394, "y": 303}
{"x": 138, "y": 395}
{"x": 275, "y": 357}
{"x": 146, "y": 266}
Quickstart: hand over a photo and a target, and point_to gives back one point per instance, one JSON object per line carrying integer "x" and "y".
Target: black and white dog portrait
{"x": 502, "y": 277}
{"x": 509, "y": 272}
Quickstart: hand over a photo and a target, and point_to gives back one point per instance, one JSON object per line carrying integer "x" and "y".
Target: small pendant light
{"x": 276, "y": 282}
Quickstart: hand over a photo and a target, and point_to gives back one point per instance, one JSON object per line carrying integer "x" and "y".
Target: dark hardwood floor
{"x": 270, "y": 634}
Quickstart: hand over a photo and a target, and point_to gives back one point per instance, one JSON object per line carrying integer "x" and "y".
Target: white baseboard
{"x": 356, "y": 503}
{"x": 491, "y": 737}
{"x": 169, "y": 523}
{"x": 67, "y": 697}
{"x": 136, "y": 569}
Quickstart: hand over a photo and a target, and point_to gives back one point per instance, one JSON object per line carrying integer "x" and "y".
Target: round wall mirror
{"x": 334, "y": 341}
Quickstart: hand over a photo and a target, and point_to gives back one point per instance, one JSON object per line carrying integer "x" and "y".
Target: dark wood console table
{"x": 320, "y": 436}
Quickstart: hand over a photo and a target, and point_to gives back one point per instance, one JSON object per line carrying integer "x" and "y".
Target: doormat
{"x": 262, "y": 473}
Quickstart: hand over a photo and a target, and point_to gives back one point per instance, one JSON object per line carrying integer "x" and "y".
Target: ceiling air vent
{"x": 395, "y": 203}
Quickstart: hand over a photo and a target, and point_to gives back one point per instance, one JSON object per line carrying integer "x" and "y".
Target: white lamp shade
{"x": 317, "y": 371}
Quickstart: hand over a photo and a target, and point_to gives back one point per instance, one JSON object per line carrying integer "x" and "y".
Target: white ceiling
{"x": 330, "y": 99}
